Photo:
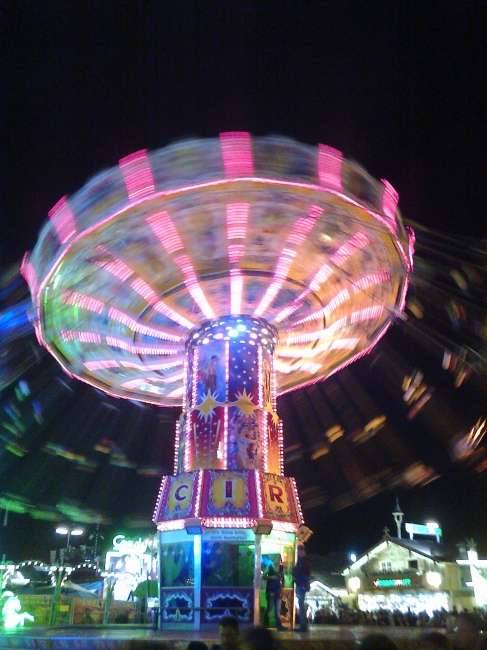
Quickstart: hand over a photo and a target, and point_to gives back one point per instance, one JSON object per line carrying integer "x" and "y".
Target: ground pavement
{"x": 139, "y": 637}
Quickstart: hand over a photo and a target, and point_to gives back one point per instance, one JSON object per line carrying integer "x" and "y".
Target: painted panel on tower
{"x": 278, "y": 498}
{"x": 179, "y": 500}
{"x": 226, "y": 494}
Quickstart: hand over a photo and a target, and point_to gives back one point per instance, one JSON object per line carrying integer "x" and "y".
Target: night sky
{"x": 397, "y": 86}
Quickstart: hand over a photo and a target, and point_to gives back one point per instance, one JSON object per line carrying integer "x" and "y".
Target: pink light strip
{"x": 390, "y": 199}
{"x": 137, "y": 174}
{"x": 191, "y": 283}
{"x": 318, "y": 335}
{"x": 329, "y": 166}
{"x": 83, "y": 301}
{"x": 152, "y": 366}
{"x": 176, "y": 447}
{"x": 199, "y": 492}
{"x": 285, "y": 526}
{"x": 237, "y": 218}
{"x": 177, "y": 524}
{"x": 296, "y": 500}
{"x": 102, "y": 364}
{"x": 140, "y": 381}
{"x": 280, "y": 430}
{"x": 260, "y": 496}
{"x": 82, "y": 337}
{"x": 159, "y": 497}
{"x": 236, "y": 149}
{"x": 228, "y": 522}
{"x": 337, "y": 300}
{"x": 356, "y": 242}
{"x": 62, "y": 219}
{"x": 122, "y": 344}
{"x": 176, "y": 393}
{"x": 300, "y": 230}
{"x": 144, "y": 290}
{"x": 235, "y": 252}
{"x": 345, "y": 344}
{"x": 196, "y": 186}
{"x": 263, "y": 414}
{"x": 117, "y": 268}
{"x": 367, "y": 314}
{"x": 283, "y": 264}
{"x": 173, "y": 378}
{"x": 28, "y": 272}
{"x": 164, "y": 229}
{"x": 370, "y": 280}
{"x": 303, "y": 226}
{"x": 190, "y": 447}
{"x": 134, "y": 325}
{"x": 236, "y": 290}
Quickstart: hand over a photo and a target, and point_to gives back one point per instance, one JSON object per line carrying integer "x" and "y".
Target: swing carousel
{"x": 216, "y": 275}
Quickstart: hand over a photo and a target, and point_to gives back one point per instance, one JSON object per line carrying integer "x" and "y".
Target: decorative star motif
{"x": 244, "y": 402}
{"x": 207, "y": 406}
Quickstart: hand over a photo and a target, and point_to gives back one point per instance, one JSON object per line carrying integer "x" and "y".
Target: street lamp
{"x": 65, "y": 530}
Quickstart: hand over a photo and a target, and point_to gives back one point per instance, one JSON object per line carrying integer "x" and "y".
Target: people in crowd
{"x": 377, "y": 641}
{"x": 466, "y": 631}
{"x": 258, "y": 638}
{"x": 229, "y": 634}
{"x": 301, "y": 576}
{"x": 273, "y": 592}
{"x": 384, "y": 617}
{"x": 432, "y": 641}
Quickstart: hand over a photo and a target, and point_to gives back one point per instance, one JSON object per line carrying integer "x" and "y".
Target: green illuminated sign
{"x": 400, "y": 582}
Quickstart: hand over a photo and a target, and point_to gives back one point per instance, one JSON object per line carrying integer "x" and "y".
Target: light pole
{"x": 68, "y": 530}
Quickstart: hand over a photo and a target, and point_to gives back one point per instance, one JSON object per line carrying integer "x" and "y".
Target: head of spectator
{"x": 467, "y": 631}
{"x": 229, "y": 633}
{"x": 377, "y": 641}
{"x": 432, "y": 641}
{"x": 258, "y": 638}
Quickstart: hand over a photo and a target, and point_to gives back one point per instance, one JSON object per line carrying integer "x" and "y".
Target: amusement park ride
{"x": 216, "y": 275}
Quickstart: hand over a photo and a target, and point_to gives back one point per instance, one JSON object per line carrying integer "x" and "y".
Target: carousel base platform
{"x": 130, "y": 637}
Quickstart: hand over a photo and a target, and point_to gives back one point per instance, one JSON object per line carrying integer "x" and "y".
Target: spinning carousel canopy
{"x": 147, "y": 252}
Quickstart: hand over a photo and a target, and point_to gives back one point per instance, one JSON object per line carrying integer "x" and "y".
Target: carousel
{"x": 216, "y": 275}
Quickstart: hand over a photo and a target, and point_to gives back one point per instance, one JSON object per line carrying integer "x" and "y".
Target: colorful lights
{"x": 191, "y": 282}
{"x": 137, "y": 174}
{"x": 236, "y": 289}
{"x": 165, "y": 231}
{"x": 367, "y": 314}
{"x": 237, "y": 217}
{"x": 207, "y": 236}
{"x": 390, "y": 199}
{"x": 399, "y": 582}
{"x": 114, "y": 266}
{"x": 63, "y": 220}
{"x": 329, "y": 166}
{"x": 237, "y": 154}
{"x": 82, "y": 337}
{"x": 80, "y": 300}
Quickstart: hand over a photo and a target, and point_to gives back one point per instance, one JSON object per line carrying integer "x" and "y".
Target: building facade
{"x": 409, "y": 575}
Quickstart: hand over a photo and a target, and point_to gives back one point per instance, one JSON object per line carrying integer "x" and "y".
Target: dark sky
{"x": 398, "y": 86}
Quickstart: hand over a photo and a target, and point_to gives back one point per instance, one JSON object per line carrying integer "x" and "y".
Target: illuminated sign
{"x": 400, "y": 582}
{"x": 420, "y": 529}
{"x": 129, "y": 547}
